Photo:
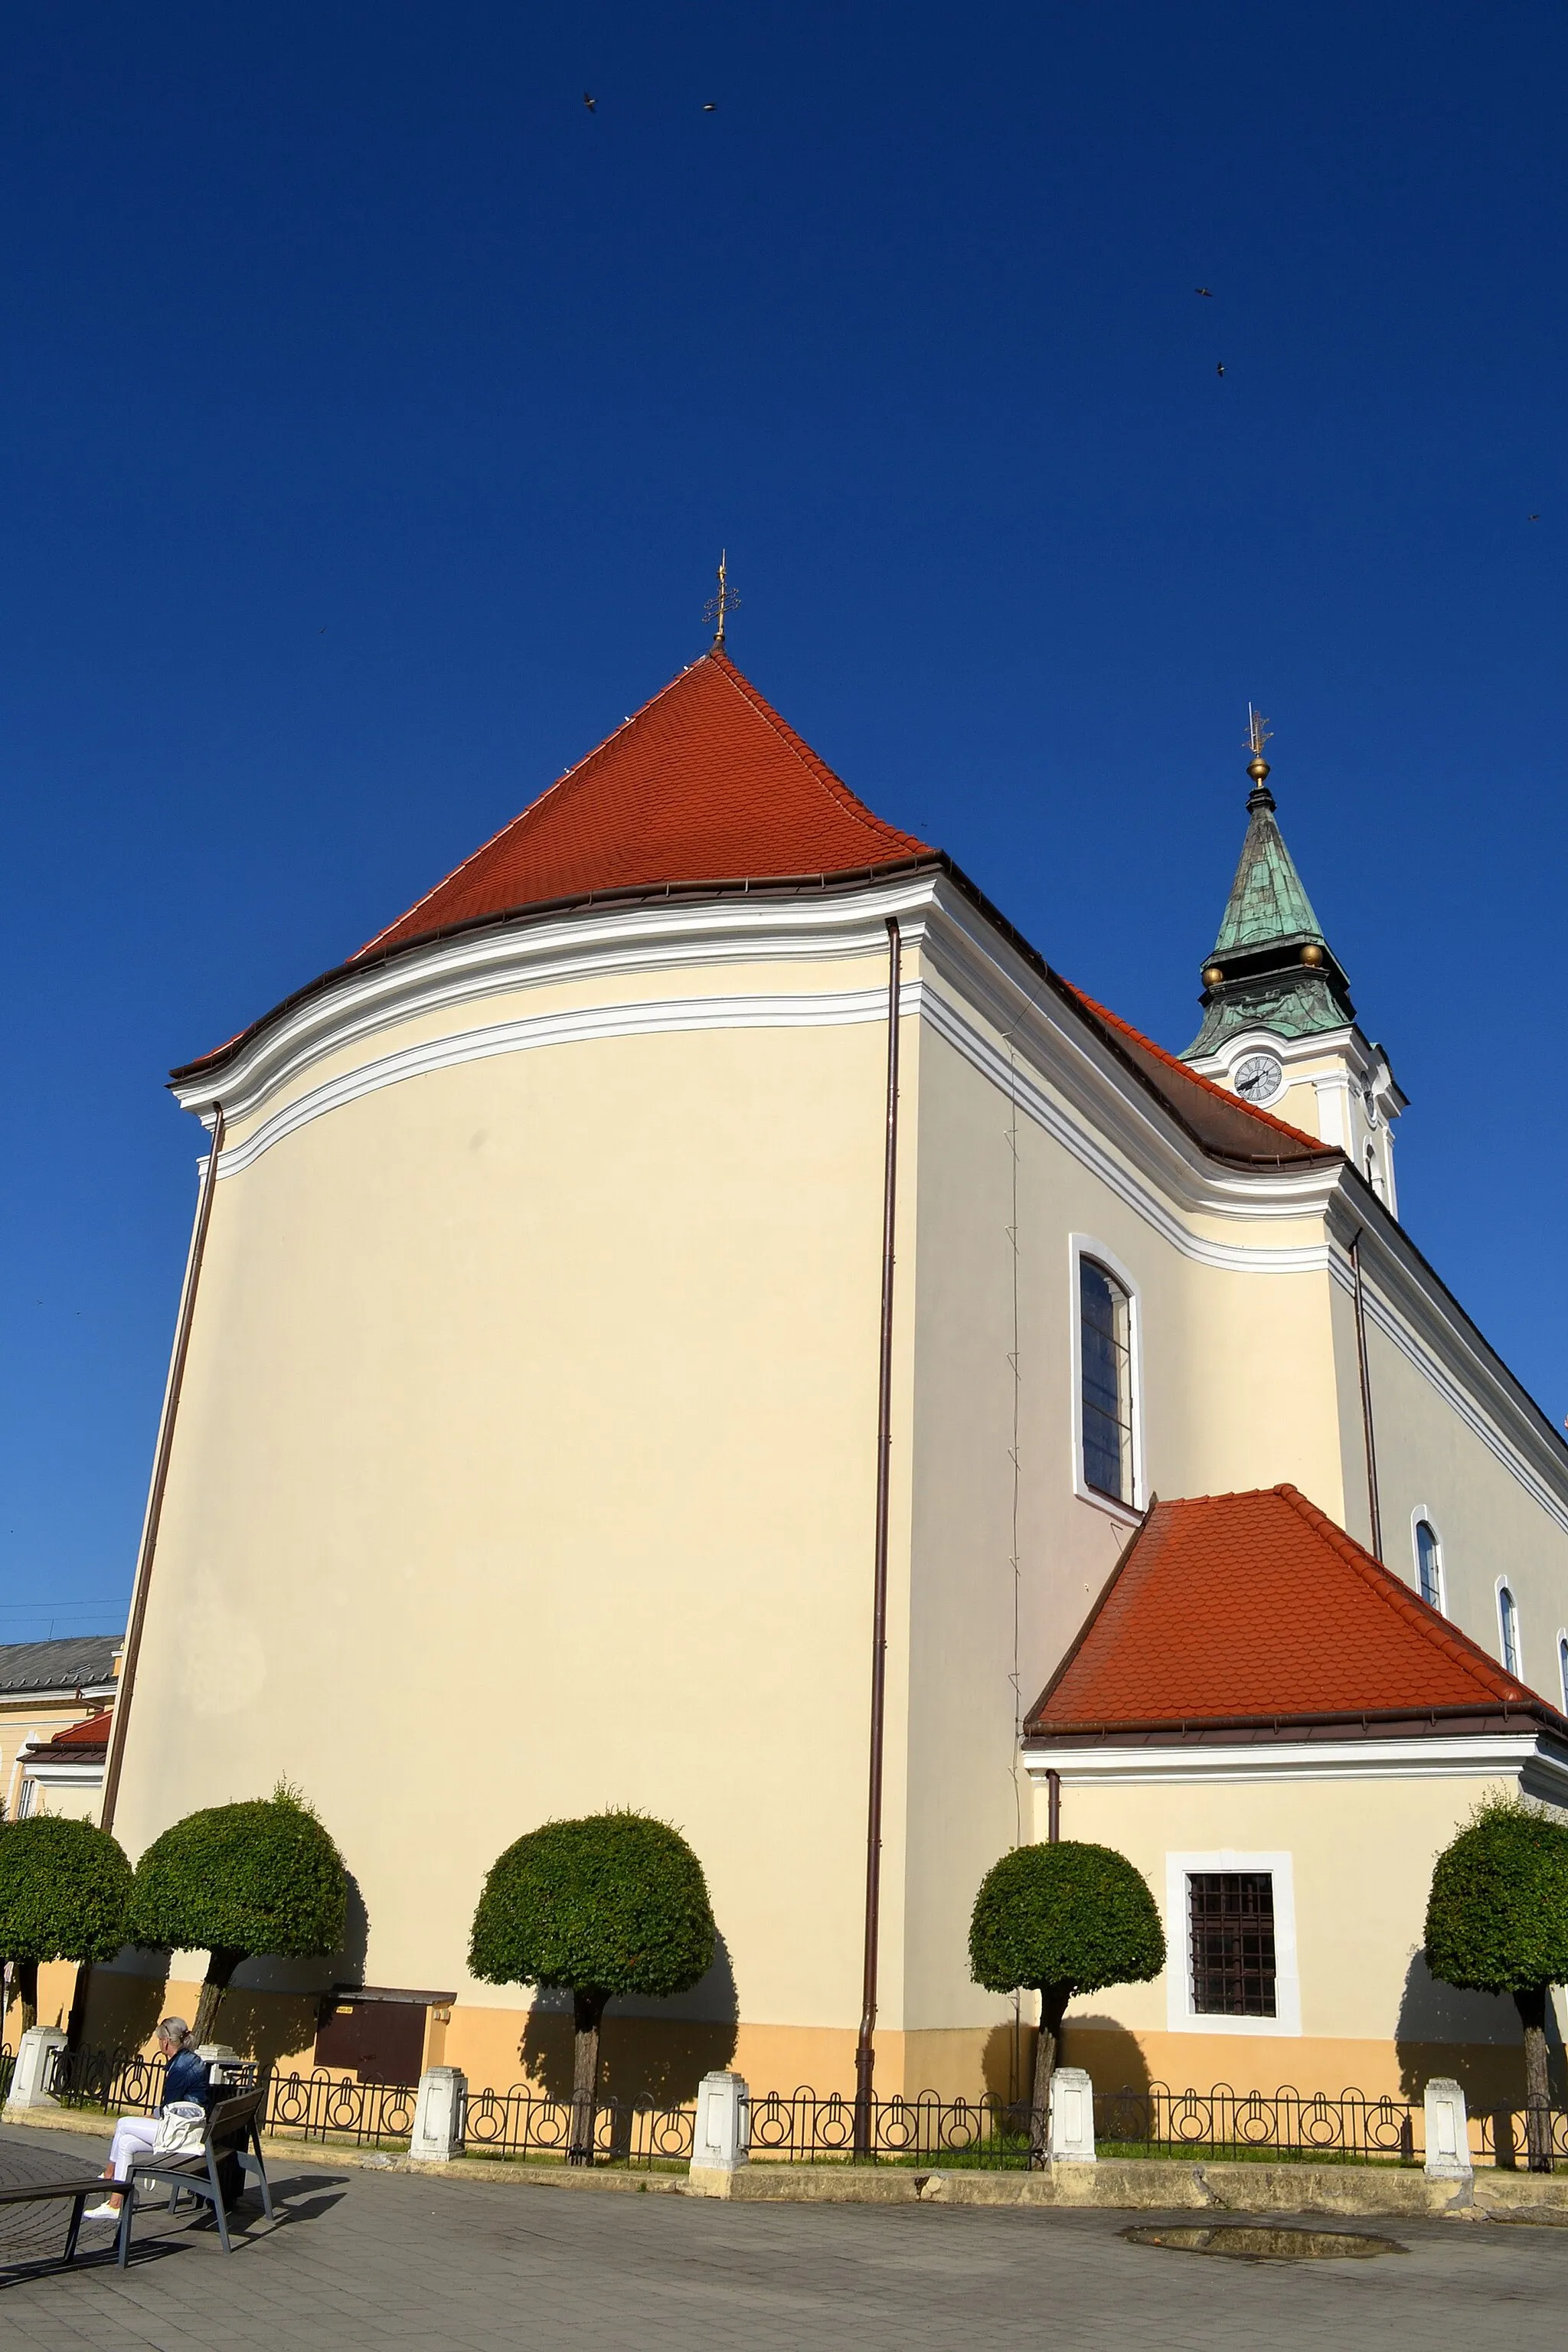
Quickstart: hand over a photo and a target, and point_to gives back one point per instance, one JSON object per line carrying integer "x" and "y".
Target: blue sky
{"x": 372, "y": 414}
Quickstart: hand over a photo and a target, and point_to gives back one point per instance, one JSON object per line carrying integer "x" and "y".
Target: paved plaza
{"x": 368, "y": 2258}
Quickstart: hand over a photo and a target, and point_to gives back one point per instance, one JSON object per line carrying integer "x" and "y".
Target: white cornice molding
{"x": 977, "y": 992}
{"x": 587, "y": 943}
{"x": 1440, "y": 1757}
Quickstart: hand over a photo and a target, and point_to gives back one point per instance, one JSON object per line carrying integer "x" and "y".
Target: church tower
{"x": 1279, "y": 1028}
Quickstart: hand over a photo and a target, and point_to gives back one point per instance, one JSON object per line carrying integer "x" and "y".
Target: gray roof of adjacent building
{"x": 84, "y": 1662}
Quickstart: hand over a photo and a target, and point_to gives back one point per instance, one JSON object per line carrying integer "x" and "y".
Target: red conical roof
{"x": 1256, "y": 1607}
{"x": 706, "y": 784}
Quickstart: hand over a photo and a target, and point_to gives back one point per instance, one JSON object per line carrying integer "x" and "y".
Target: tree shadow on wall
{"x": 1475, "y": 2038}
{"x": 656, "y": 2052}
{"x": 278, "y": 2018}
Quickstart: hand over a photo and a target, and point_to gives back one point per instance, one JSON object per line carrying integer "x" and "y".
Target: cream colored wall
{"x": 1490, "y": 1525}
{"x": 1362, "y": 1853}
{"x": 524, "y": 1466}
{"x": 1237, "y": 1390}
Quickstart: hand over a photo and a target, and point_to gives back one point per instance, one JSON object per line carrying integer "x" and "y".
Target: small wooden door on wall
{"x": 381, "y": 2035}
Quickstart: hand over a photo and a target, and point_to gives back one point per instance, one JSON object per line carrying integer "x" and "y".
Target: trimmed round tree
{"x": 262, "y": 1876}
{"x": 64, "y": 1889}
{"x": 614, "y": 1903}
{"x": 1496, "y": 1921}
{"x": 1059, "y": 1920}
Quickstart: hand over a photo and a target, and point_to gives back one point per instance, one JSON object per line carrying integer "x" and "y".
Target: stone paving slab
{"x": 378, "y": 2258}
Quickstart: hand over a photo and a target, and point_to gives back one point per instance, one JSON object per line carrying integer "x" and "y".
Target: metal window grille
{"x": 1232, "y": 1918}
{"x": 1428, "y": 1566}
{"x": 1106, "y": 1382}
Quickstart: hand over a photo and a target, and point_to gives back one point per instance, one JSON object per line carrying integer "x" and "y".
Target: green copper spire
{"x": 1271, "y": 967}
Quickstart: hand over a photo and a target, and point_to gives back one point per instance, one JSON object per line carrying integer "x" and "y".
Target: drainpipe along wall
{"x": 865, "y": 2048}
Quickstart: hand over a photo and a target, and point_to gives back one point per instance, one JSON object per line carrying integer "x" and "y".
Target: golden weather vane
{"x": 719, "y": 608}
{"x": 1258, "y": 732}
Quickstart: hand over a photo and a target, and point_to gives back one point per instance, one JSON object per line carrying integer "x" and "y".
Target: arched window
{"x": 1508, "y": 1627}
{"x": 1106, "y": 1353}
{"x": 1428, "y": 1564}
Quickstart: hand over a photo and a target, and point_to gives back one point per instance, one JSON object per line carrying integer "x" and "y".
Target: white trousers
{"x": 133, "y": 2136}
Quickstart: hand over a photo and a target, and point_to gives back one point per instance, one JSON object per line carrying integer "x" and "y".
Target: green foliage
{"x": 615, "y": 1904}
{"x": 1497, "y": 1918}
{"x": 261, "y": 1876}
{"x": 1068, "y": 1915}
{"x": 64, "y": 1888}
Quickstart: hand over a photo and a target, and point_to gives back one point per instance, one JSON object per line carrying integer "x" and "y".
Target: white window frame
{"x": 1082, "y": 1245}
{"x": 1416, "y": 1516}
{"x": 1181, "y": 2017}
{"x": 1505, "y": 1584}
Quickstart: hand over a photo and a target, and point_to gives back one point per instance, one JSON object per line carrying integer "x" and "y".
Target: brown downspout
{"x": 160, "y": 1478}
{"x": 1366, "y": 1398}
{"x": 865, "y": 2050}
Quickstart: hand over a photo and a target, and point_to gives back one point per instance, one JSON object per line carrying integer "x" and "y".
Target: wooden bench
{"x": 234, "y": 2130}
{"x": 39, "y": 2192}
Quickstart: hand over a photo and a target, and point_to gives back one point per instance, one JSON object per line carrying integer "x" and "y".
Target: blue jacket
{"x": 188, "y": 2078}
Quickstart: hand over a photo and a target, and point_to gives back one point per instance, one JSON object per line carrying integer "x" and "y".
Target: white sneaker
{"x": 102, "y": 2212}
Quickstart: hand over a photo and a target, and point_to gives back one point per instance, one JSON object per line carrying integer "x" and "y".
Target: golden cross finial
{"x": 1258, "y": 732}
{"x": 719, "y": 608}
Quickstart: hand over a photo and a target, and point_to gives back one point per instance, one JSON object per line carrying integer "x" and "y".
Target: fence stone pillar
{"x": 35, "y": 2058}
{"x": 1070, "y": 2138}
{"x": 1447, "y": 2132}
{"x": 439, "y": 2115}
{"x": 720, "y": 2139}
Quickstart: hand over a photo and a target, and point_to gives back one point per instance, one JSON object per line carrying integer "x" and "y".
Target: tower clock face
{"x": 1260, "y": 1078}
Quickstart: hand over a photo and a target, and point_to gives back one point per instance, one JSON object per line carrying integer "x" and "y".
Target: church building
{"x": 699, "y": 1315}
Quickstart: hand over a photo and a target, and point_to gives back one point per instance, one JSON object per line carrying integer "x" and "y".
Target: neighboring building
{"x": 65, "y": 1774}
{"x": 535, "y": 1329}
{"x": 46, "y": 1687}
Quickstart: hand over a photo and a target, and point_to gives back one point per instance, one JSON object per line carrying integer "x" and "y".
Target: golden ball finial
{"x": 1213, "y": 975}
{"x": 1258, "y": 769}
{"x": 1311, "y": 954}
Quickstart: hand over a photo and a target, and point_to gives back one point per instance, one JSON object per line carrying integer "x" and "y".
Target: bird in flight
{"x": 1535, "y": 517}
{"x": 1220, "y": 368}
{"x": 1207, "y": 291}
{"x": 590, "y": 101}
{"x": 709, "y": 105}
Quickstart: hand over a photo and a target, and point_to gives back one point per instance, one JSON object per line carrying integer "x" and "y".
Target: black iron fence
{"x": 1506, "y": 2137}
{"x": 520, "y": 2122}
{"x": 7, "y": 2068}
{"x": 805, "y": 2126}
{"x": 1286, "y": 2125}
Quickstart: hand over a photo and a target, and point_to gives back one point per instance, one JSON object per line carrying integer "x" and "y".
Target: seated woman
{"x": 188, "y": 2078}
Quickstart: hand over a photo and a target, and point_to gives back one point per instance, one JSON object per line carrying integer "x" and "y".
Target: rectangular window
{"x": 1232, "y": 1942}
{"x": 1107, "y": 1359}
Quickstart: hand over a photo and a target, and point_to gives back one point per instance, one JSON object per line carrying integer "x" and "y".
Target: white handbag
{"x": 181, "y": 2127}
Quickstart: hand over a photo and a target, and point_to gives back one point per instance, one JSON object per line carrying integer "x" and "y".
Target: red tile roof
{"x": 707, "y": 786}
{"x": 705, "y": 783}
{"x": 91, "y": 1733}
{"x": 1222, "y": 1119}
{"x": 1254, "y": 1608}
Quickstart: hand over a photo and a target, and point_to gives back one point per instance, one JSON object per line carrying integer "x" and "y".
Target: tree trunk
{"x": 1532, "y": 2007}
{"x": 1054, "y": 1999}
{"x": 221, "y": 1966}
{"x": 587, "y": 2011}
{"x": 25, "y": 1974}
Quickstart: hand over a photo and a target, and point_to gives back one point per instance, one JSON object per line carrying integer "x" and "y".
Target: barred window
{"x": 1232, "y": 1923}
{"x": 1428, "y": 1565}
{"x": 1106, "y": 1360}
